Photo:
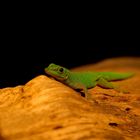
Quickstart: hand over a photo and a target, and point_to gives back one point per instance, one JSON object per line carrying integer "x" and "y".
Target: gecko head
{"x": 58, "y": 72}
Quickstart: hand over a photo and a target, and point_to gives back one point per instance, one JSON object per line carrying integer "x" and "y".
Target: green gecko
{"x": 85, "y": 80}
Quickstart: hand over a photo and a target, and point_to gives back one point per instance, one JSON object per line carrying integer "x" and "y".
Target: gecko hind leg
{"x": 105, "y": 84}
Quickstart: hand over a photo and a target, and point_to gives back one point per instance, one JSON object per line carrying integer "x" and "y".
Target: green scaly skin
{"x": 85, "y": 80}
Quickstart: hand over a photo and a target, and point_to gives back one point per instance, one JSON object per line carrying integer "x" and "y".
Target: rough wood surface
{"x": 44, "y": 109}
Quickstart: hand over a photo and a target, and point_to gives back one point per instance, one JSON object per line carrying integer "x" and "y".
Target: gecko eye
{"x": 61, "y": 69}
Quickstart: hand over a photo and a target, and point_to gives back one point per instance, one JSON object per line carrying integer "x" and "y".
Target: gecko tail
{"x": 127, "y": 75}
{"x": 118, "y": 76}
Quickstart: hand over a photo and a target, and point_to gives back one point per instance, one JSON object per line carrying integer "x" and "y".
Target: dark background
{"x": 30, "y": 41}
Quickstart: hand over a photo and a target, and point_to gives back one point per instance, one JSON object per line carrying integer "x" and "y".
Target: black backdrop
{"x": 29, "y": 43}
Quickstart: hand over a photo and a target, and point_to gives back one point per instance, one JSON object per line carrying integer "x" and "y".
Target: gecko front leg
{"x": 85, "y": 91}
{"x": 83, "y": 88}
